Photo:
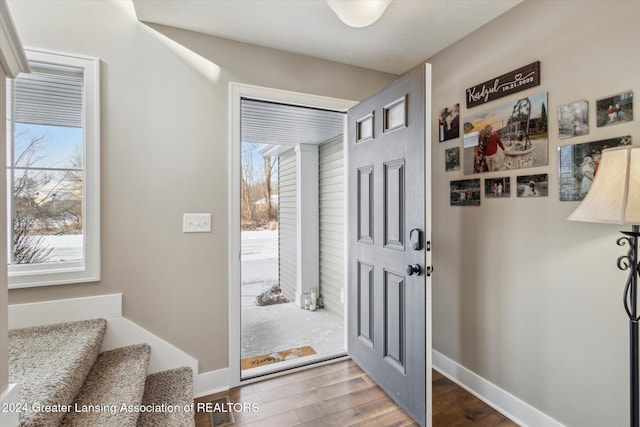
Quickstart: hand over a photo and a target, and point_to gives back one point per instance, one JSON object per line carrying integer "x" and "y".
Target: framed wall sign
{"x": 512, "y": 82}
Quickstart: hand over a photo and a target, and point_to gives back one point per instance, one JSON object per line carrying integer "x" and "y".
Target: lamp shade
{"x": 614, "y": 196}
{"x": 358, "y": 13}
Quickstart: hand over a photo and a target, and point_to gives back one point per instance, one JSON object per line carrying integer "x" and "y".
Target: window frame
{"x": 88, "y": 269}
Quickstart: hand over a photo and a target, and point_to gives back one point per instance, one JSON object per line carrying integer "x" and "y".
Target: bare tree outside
{"x": 269, "y": 164}
{"x": 248, "y": 181}
{"x": 258, "y": 182}
{"x": 46, "y": 201}
{"x": 260, "y": 284}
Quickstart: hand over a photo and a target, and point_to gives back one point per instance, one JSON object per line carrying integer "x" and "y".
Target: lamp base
{"x": 633, "y": 371}
{"x": 630, "y": 262}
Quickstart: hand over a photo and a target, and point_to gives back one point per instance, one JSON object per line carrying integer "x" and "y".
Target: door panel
{"x": 365, "y": 303}
{"x": 387, "y": 306}
{"x": 365, "y": 204}
{"x": 394, "y": 205}
{"x": 394, "y": 319}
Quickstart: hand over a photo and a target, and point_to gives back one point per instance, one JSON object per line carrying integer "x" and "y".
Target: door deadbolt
{"x": 413, "y": 269}
{"x": 415, "y": 238}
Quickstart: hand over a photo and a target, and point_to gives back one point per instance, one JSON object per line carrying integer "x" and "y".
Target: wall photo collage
{"x": 515, "y": 135}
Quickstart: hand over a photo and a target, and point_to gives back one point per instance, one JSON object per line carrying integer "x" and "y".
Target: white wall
{"x": 521, "y": 296}
{"x": 164, "y": 153}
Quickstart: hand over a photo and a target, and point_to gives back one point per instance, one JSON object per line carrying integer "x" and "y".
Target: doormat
{"x": 278, "y": 356}
{"x": 221, "y": 415}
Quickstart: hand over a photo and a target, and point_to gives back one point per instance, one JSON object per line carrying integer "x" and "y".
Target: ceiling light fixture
{"x": 358, "y": 13}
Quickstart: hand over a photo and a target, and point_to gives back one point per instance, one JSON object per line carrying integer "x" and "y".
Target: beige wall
{"x": 164, "y": 153}
{"x": 523, "y": 297}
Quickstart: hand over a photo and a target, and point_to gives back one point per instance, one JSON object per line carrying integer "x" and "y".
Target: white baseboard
{"x": 212, "y": 382}
{"x": 67, "y": 310}
{"x": 517, "y": 410}
{"x": 10, "y": 397}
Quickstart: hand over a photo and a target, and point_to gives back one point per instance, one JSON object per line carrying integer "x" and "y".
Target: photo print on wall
{"x": 614, "y": 109}
{"x": 573, "y": 119}
{"x": 578, "y": 165}
{"x": 452, "y": 159}
{"x": 449, "y": 123}
{"x": 509, "y": 136}
{"x": 496, "y": 188}
{"x": 465, "y": 192}
{"x": 533, "y": 185}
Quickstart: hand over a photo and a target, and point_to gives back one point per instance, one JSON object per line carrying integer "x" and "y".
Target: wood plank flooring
{"x": 341, "y": 394}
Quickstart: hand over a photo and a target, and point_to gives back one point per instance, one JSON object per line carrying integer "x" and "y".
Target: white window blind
{"x": 50, "y": 95}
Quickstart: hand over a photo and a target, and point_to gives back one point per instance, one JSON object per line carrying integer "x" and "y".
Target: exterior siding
{"x": 332, "y": 224}
{"x": 287, "y": 224}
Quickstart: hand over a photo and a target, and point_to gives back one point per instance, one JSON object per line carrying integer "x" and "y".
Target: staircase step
{"x": 169, "y": 396}
{"x": 50, "y": 363}
{"x": 115, "y": 383}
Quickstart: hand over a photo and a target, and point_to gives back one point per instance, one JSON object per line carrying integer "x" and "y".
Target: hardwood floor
{"x": 341, "y": 394}
{"x": 454, "y": 406}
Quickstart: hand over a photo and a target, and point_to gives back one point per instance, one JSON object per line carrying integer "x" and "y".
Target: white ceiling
{"x": 409, "y": 32}
{"x": 265, "y": 122}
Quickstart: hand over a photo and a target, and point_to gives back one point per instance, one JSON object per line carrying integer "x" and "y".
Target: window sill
{"x": 46, "y": 275}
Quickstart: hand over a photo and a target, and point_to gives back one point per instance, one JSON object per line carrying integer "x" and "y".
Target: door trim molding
{"x": 428, "y": 226}
{"x": 237, "y": 91}
{"x": 516, "y": 409}
{"x": 13, "y": 59}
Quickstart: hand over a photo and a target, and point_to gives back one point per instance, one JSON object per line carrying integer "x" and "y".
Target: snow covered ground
{"x": 259, "y": 255}
{"x": 65, "y": 248}
{"x": 259, "y": 244}
{"x": 284, "y": 326}
{"x": 281, "y": 326}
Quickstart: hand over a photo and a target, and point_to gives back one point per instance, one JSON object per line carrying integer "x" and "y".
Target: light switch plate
{"x": 196, "y": 223}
